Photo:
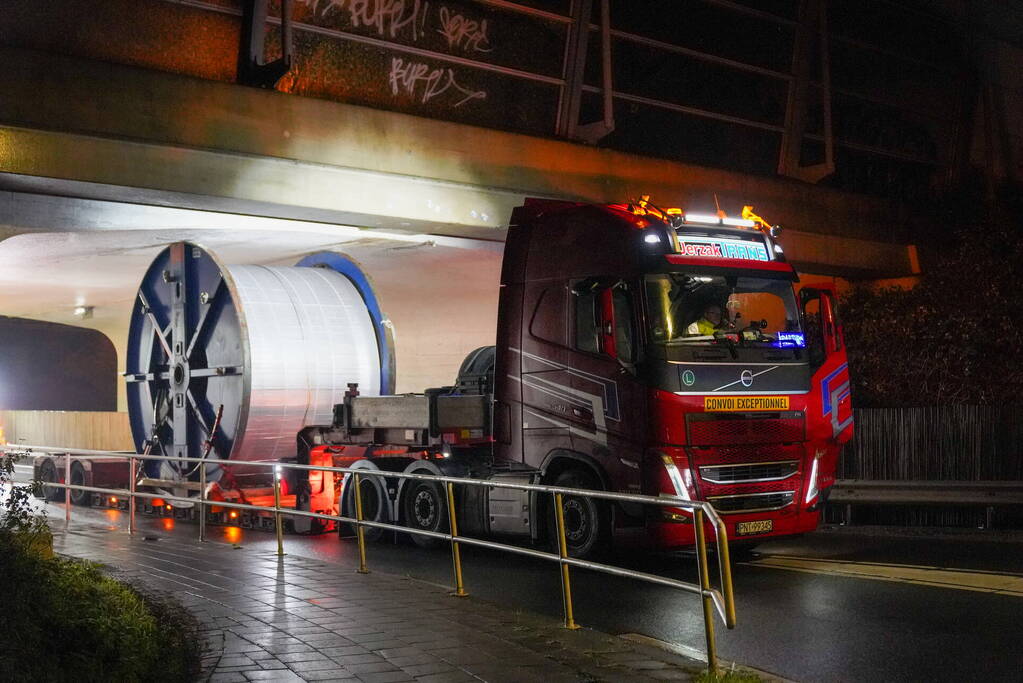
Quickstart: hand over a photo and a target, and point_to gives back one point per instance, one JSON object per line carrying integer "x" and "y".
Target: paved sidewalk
{"x": 301, "y": 619}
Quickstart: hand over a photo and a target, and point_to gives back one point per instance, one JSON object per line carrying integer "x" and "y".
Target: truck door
{"x": 608, "y": 413}
{"x": 830, "y": 417}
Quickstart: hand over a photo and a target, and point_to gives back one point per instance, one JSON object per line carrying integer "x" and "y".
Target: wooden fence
{"x": 965, "y": 443}
{"x": 102, "y": 431}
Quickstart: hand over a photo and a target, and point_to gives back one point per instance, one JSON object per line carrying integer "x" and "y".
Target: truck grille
{"x": 755, "y": 502}
{"x": 749, "y": 472}
{"x": 709, "y": 429}
{"x": 744, "y": 455}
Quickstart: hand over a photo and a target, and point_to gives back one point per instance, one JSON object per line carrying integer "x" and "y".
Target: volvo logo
{"x": 746, "y": 377}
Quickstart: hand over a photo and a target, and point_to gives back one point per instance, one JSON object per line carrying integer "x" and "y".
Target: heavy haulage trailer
{"x": 610, "y": 371}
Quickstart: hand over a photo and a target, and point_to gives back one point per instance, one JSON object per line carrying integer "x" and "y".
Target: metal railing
{"x": 703, "y": 515}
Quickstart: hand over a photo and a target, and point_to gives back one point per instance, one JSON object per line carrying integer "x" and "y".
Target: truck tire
{"x": 78, "y": 497}
{"x": 375, "y": 506}
{"x": 48, "y": 474}
{"x": 587, "y": 521}
{"x": 425, "y": 507}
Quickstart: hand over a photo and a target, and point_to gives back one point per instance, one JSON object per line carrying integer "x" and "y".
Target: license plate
{"x": 761, "y": 526}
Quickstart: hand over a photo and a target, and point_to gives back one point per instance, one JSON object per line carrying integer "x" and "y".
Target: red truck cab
{"x": 609, "y": 376}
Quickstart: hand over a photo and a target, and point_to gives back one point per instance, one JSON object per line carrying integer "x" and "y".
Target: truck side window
{"x": 623, "y": 325}
{"x": 585, "y": 313}
{"x": 813, "y": 330}
{"x": 549, "y": 319}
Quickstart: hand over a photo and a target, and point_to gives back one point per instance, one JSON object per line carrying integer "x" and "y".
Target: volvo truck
{"x": 638, "y": 350}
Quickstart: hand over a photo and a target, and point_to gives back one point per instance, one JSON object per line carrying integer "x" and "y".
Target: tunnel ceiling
{"x": 45, "y": 274}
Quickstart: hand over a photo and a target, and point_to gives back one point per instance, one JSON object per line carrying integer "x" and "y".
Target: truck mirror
{"x": 831, "y": 328}
{"x": 810, "y": 303}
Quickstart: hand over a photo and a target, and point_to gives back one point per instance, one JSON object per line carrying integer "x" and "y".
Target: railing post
{"x": 202, "y": 501}
{"x": 566, "y": 583}
{"x": 132, "y": 476}
{"x": 277, "y": 511}
{"x": 456, "y": 554}
{"x": 360, "y": 533}
{"x": 725, "y": 560}
{"x": 708, "y": 605}
{"x": 67, "y": 491}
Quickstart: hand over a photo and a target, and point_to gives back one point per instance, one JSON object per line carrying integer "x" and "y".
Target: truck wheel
{"x": 48, "y": 474}
{"x": 425, "y": 508}
{"x": 374, "y": 504}
{"x": 78, "y": 497}
{"x": 586, "y": 519}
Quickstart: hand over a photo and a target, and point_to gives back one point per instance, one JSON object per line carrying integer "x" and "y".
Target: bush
{"x": 954, "y": 338}
{"x": 64, "y": 620}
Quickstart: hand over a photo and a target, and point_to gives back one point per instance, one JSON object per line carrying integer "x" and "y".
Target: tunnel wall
{"x": 49, "y": 366}
{"x": 442, "y": 303}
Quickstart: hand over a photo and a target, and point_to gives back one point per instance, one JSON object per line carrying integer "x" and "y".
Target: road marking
{"x": 982, "y": 581}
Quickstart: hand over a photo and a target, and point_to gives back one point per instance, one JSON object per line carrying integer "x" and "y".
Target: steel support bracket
{"x": 252, "y": 69}
{"x": 575, "y": 67}
{"x": 811, "y": 31}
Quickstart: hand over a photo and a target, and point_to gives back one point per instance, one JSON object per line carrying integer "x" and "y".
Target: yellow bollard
{"x": 456, "y": 555}
{"x": 708, "y": 604}
{"x": 277, "y": 512}
{"x": 359, "y": 531}
{"x": 566, "y": 583}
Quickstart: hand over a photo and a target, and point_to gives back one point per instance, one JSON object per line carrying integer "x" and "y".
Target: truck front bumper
{"x": 680, "y": 532}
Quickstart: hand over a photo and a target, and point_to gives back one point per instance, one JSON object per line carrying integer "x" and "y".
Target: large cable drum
{"x": 268, "y": 349}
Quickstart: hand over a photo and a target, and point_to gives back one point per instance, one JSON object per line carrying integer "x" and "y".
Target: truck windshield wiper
{"x": 717, "y": 339}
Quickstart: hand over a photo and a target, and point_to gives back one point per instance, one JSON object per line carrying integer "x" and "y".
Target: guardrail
{"x": 722, "y": 600}
{"x": 987, "y": 494}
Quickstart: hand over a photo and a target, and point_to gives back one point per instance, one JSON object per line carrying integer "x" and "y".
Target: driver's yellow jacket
{"x": 702, "y": 327}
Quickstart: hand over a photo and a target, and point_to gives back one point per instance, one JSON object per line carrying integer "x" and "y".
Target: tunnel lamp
{"x": 83, "y": 312}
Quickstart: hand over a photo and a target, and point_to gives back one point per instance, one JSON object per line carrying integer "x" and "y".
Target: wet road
{"x": 831, "y": 606}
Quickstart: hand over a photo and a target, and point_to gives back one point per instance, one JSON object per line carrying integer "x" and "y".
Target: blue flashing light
{"x": 790, "y": 339}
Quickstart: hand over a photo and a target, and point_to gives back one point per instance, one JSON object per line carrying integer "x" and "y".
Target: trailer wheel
{"x": 48, "y": 474}
{"x": 587, "y": 521}
{"x": 425, "y": 508}
{"x": 78, "y": 497}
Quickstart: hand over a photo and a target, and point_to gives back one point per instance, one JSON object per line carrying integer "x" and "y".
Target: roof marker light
{"x": 718, "y": 220}
{"x": 702, "y": 218}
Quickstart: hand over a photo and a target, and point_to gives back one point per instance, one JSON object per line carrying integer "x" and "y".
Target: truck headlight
{"x": 676, "y": 477}
{"x": 812, "y": 491}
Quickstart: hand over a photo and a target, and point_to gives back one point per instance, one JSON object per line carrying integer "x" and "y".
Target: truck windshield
{"x": 685, "y": 308}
